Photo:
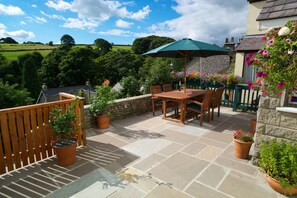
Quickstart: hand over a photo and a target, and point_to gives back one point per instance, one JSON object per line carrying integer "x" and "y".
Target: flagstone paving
{"x": 146, "y": 156}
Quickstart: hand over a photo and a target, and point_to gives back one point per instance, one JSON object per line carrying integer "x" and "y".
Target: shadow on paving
{"x": 97, "y": 161}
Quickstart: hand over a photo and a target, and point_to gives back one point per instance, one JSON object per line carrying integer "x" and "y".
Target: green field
{"x": 12, "y": 51}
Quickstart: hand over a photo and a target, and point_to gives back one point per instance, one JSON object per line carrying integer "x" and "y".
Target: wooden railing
{"x": 25, "y": 134}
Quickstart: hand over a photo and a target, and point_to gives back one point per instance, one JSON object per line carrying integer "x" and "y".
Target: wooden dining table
{"x": 181, "y": 97}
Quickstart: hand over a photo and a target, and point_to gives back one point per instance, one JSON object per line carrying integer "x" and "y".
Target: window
{"x": 249, "y": 73}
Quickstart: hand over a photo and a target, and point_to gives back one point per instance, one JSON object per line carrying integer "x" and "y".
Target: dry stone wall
{"x": 272, "y": 123}
{"x": 123, "y": 108}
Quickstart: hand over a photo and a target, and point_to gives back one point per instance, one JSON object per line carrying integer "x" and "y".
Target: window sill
{"x": 287, "y": 109}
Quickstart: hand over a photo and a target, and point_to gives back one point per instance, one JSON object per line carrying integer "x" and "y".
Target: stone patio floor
{"x": 146, "y": 156}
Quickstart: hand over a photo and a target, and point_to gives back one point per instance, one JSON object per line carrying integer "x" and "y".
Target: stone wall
{"x": 274, "y": 122}
{"x": 123, "y": 108}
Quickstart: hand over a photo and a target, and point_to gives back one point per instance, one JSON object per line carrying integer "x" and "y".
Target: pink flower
{"x": 264, "y": 38}
{"x": 280, "y": 85}
{"x": 288, "y": 40}
{"x": 270, "y": 42}
{"x": 264, "y": 92}
{"x": 258, "y": 81}
{"x": 265, "y": 53}
{"x": 260, "y": 52}
{"x": 279, "y": 93}
{"x": 251, "y": 86}
{"x": 293, "y": 32}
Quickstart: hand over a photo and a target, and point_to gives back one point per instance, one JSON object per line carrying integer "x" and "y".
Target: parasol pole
{"x": 185, "y": 69}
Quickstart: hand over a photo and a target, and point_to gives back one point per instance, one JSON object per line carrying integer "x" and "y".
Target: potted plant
{"x": 278, "y": 160}
{"x": 242, "y": 142}
{"x": 99, "y": 104}
{"x": 64, "y": 134}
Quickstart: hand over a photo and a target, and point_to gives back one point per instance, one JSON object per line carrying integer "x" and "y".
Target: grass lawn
{"x": 11, "y": 56}
{"x": 10, "y": 51}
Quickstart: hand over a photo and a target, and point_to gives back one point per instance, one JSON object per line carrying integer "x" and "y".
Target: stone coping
{"x": 287, "y": 109}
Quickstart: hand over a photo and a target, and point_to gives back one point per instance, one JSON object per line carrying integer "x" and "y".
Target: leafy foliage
{"x": 159, "y": 72}
{"x": 102, "y": 46}
{"x": 144, "y": 44}
{"x": 12, "y": 97}
{"x": 105, "y": 97}
{"x": 276, "y": 61}
{"x": 63, "y": 123}
{"x": 77, "y": 67}
{"x": 67, "y": 41}
{"x": 131, "y": 87}
{"x": 279, "y": 160}
{"x": 29, "y": 78}
{"x": 50, "y": 67}
{"x": 242, "y": 136}
{"x": 118, "y": 64}
{"x": 8, "y": 40}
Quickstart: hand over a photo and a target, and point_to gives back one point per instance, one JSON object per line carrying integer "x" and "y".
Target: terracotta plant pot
{"x": 242, "y": 149}
{"x": 66, "y": 155}
{"x": 103, "y": 122}
{"x": 253, "y": 126}
{"x": 275, "y": 185}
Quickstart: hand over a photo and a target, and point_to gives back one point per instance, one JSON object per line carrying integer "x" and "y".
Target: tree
{"x": 12, "y": 97}
{"x": 77, "y": 67}
{"x": 50, "y": 67}
{"x": 8, "y": 40}
{"x": 102, "y": 46}
{"x": 120, "y": 63}
{"x": 51, "y": 43}
{"x": 131, "y": 87}
{"x": 29, "y": 78}
{"x": 144, "y": 44}
{"x": 159, "y": 73}
{"x": 67, "y": 40}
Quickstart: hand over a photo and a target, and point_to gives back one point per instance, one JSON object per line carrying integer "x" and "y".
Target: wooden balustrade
{"x": 25, "y": 134}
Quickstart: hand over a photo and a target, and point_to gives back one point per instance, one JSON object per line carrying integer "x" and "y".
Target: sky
{"x": 121, "y": 22}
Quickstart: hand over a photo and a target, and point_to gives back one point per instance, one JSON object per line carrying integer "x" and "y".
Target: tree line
{"x": 69, "y": 66}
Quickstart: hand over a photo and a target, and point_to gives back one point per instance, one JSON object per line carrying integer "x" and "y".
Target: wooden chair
{"x": 216, "y": 100}
{"x": 167, "y": 87}
{"x": 202, "y": 107}
{"x": 156, "y": 102}
{"x": 172, "y": 103}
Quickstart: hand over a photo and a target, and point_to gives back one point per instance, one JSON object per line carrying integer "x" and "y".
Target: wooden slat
{"x": 29, "y": 136}
{"x": 6, "y": 141}
{"x": 50, "y": 131}
{"x": 14, "y": 140}
{"x": 47, "y": 131}
{"x": 41, "y": 131}
{"x": 2, "y": 160}
{"x": 36, "y": 138}
{"x": 22, "y": 139}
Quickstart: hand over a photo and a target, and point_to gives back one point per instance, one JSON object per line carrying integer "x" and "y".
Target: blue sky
{"x": 120, "y": 22}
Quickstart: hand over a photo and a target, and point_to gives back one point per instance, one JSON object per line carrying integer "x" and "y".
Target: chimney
{"x": 88, "y": 83}
{"x": 230, "y": 45}
{"x": 44, "y": 87}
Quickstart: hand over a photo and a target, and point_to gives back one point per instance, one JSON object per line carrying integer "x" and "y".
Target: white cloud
{"x": 37, "y": 19}
{"x": 80, "y": 23}
{"x": 53, "y": 16}
{"x": 117, "y": 32}
{"x": 141, "y": 14}
{"x": 23, "y": 23}
{"x": 99, "y": 9}
{"x": 123, "y": 24}
{"x": 18, "y": 34}
{"x": 34, "y": 6}
{"x": 209, "y": 21}
{"x": 58, "y": 5}
{"x": 10, "y": 10}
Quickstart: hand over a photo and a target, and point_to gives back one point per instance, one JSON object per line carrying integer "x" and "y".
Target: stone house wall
{"x": 274, "y": 121}
{"x": 123, "y": 108}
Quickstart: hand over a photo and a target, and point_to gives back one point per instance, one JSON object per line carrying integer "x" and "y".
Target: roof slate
{"x": 250, "y": 44}
{"x": 274, "y": 9}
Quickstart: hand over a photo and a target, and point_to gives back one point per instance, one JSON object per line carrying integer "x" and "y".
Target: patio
{"x": 146, "y": 156}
